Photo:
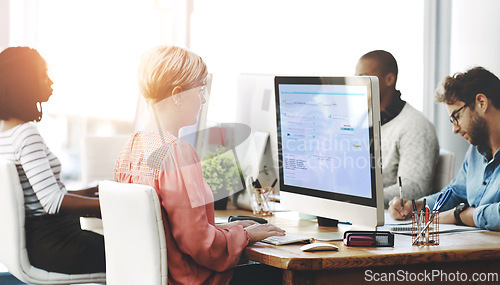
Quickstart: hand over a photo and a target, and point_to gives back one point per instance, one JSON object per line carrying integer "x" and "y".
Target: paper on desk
{"x": 390, "y": 221}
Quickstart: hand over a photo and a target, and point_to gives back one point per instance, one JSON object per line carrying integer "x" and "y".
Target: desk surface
{"x": 455, "y": 247}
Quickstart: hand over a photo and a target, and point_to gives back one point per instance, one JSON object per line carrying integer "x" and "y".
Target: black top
{"x": 393, "y": 109}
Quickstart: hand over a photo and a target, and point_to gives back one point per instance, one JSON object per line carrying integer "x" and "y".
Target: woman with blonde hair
{"x": 172, "y": 80}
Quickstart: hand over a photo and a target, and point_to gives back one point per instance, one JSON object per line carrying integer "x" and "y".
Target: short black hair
{"x": 386, "y": 61}
{"x": 465, "y": 86}
{"x": 20, "y": 84}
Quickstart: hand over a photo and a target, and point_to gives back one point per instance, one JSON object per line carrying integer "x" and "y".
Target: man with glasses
{"x": 409, "y": 142}
{"x": 473, "y": 102}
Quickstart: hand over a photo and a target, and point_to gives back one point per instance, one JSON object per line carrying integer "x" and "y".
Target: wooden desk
{"x": 465, "y": 252}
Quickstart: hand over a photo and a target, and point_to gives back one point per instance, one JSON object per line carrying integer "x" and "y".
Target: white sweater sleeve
{"x": 416, "y": 157}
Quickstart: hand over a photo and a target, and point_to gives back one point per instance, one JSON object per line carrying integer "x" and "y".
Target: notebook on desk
{"x": 443, "y": 228}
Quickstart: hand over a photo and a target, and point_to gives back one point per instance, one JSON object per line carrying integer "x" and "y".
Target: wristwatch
{"x": 458, "y": 210}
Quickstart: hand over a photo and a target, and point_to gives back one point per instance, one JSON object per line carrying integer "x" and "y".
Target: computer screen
{"x": 329, "y": 147}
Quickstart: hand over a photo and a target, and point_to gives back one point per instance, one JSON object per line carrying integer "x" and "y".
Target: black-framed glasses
{"x": 453, "y": 118}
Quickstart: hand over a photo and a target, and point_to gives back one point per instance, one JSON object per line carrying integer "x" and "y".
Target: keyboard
{"x": 288, "y": 239}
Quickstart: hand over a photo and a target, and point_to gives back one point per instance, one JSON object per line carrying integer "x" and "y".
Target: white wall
{"x": 475, "y": 40}
{"x": 4, "y": 24}
{"x": 315, "y": 37}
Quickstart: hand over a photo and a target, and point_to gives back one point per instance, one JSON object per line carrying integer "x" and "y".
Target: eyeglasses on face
{"x": 454, "y": 118}
{"x": 203, "y": 91}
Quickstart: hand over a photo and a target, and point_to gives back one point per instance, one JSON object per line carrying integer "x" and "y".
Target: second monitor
{"x": 329, "y": 147}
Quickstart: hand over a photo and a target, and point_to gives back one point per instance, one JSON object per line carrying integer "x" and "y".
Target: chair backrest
{"x": 99, "y": 156}
{"x": 445, "y": 169}
{"x": 12, "y": 238}
{"x": 13, "y": 253}
{"x": 134, "y": 238}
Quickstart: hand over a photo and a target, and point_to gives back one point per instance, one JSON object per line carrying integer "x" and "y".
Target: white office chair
{"x": 444, "y": 170}
{"x": 134, "y": 239}
{"x": 99, "y": 155}
{"x": 98, "y": 160}
{"x": 13, "y": 253}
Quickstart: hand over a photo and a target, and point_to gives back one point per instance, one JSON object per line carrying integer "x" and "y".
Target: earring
{"x": 179, "y": 106}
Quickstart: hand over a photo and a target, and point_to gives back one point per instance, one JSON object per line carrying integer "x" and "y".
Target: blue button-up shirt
{"x": 478, "y": 184}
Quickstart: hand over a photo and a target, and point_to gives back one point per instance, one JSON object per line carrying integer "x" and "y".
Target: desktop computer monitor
{"x": 329, "y": 148}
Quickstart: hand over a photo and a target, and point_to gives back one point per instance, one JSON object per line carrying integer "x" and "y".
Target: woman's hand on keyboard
{"x": 243, "y": 223}
{"x": 259, "y": 232}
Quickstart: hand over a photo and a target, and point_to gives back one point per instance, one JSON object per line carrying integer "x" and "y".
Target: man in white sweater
{"x": 410, "y": 147}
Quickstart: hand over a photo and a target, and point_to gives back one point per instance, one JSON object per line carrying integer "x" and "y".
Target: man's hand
{"x": 399, "y": 213}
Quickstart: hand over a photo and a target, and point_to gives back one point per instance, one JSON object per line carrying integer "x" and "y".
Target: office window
{"x": 317, "y": 37}
{"x": 92, "y": 49}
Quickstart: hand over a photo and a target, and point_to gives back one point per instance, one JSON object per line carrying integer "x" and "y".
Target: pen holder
{"x": 425, "y": 228}
{"x": 260, "y": 201}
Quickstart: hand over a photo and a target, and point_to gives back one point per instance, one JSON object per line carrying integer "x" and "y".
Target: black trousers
{"x": 56, "y": 243}
{"x": 256, "y": 273}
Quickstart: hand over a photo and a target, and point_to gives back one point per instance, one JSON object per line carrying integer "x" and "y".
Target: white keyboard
{"x": 287, "y": 239}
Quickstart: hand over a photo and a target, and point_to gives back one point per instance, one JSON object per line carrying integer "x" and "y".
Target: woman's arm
{"x": 80, "y": 206}
{"x": 40, "y": 166}
{"x": 243, "y": 223}
{"x": 185, "y": 196}
{"x": 87, "y": 192}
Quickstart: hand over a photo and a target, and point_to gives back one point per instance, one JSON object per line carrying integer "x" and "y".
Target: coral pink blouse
{"x": 197, "y": 251}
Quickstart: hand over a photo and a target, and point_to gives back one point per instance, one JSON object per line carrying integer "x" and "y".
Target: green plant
{"x": 221, "y": 171}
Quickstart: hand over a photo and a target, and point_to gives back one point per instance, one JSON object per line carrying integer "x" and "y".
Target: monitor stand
{"x": 326, "y": 222}
{"x": 328, "y": 236}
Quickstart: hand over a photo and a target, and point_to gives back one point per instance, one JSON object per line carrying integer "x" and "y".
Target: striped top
{"x": 39, "y": 169}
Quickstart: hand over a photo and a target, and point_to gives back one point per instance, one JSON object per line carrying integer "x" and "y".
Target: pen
{"x": 274, "y": 183}
{"x": 423, "y": 231}
{"x": 427, "y": 214}
{"x": 257, "y": 184}
{"x": 401, "y": 193}
{"x": 415, "y": 213}
{"x": 422, "y": 212}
